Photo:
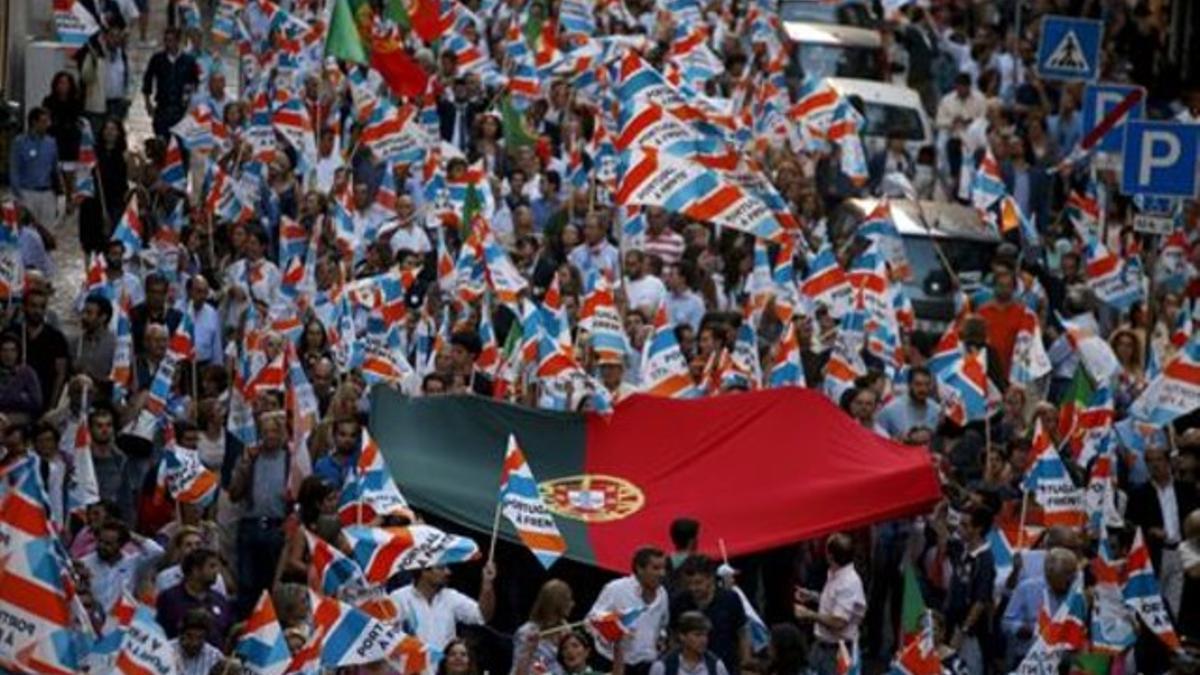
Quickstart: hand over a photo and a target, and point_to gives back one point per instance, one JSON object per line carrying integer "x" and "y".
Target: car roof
{"x": 832, "y": 34}
{"x": 946, "y": 220}
{"x": 881, "y": 93}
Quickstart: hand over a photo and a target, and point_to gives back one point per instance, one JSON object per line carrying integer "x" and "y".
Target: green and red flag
{"x": 760, "y": 470}
{"x": 356, "y": 34}
{"x": 516, "y": 134}
{"x": 1074, "y": 402}
{"x": 912, "y": 607}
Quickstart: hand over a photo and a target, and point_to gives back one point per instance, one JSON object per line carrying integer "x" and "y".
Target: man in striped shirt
{"x": 661, "y": 240}
{"x": 193, "y": 654}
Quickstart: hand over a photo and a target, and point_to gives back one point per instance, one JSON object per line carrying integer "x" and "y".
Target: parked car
{"x": 965, "y": 241}
{"x": 821, "y": 50}
{"x": 887, "y": 109}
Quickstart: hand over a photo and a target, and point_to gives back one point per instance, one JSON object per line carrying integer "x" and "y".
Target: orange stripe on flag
{"x": 638, "y": 174}
{"x": 34, "y": 599}
{"x": 540, "y": 541}
{"x": 1180, "y": 370}
{"x": 711, "y": 206}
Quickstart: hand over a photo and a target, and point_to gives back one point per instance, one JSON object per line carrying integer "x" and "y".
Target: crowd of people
{"x": 443, "y": 197}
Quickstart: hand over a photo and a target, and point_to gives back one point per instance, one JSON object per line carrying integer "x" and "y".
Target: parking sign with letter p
{"x": 1160, "y": 158}
{"x": 1101, "y": 99}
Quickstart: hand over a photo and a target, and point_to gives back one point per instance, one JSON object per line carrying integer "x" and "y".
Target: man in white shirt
{"x": 955, "y": 112}
{"x": 251, "y": 278}
{"x": 643, "y": 290}
{"x": 114, "y": 567}
{"x": 641, "y": 590}
{"x": 432, "y": 611}
{"x": 403, "y": 233}
{"x": 1191, "y": 111}
{"x": 329, "y": 161}
{"x": 841, "y": 605}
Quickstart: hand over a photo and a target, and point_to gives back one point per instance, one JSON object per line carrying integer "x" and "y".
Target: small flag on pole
{"x": 521, "y": 502}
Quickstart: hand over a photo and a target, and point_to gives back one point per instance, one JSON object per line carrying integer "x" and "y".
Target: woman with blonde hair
{"x": 536, "y": 641}
{"x": 1131, "y": 378}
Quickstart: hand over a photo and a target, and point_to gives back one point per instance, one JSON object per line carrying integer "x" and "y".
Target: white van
{"x": 966, "y": 242}
{"x": 824, "y": 50}
{"x": 888, "y": 108}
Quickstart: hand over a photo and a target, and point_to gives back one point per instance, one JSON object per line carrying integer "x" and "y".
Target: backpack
{"x": 671, "y": 663}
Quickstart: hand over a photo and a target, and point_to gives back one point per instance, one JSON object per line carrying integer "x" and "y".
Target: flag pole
{"x": 195, "y": 385}
{"x": 1021, "y": 522}
{"x": 561, "y": 628}
{"x": 499, "y": 505}
{"x": 495, "y": 532}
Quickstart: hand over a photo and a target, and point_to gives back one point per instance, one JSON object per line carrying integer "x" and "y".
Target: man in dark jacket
{"x": 1159, "y": 507}
{"x": 171, "y": 77}
{"x": 456, "y": 114}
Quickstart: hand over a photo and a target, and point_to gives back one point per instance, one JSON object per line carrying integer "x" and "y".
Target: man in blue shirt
{"x": 684, "y": 306}
{"x": 1020, "y": 620}
{"x": 333, "y": 467}
{"x": 33, "y": 168}
{"x": 596, "y": 253}
{"x": 914, "y": 409}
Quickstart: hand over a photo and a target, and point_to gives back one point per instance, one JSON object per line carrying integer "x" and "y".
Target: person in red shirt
{"x": 1003, "y": 314}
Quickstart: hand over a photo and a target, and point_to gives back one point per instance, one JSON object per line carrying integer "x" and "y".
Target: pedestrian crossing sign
{"x": 1070, "y": 48}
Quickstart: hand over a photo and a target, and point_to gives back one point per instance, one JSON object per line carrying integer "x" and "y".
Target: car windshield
{"x": 851, "y": 14}
{"x": 971, "y": 259}
{"x": 884, "y": 120}
{"x": 820, "y": 61}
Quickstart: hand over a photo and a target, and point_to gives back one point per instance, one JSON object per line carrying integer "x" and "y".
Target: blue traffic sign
{"x": 1070, "y": 48}
{"x": 1098, "y": 101}
{"x": 1160, "y": 158}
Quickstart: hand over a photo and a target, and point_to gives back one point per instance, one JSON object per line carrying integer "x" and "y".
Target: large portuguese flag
{"x": 758, "y": 470}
